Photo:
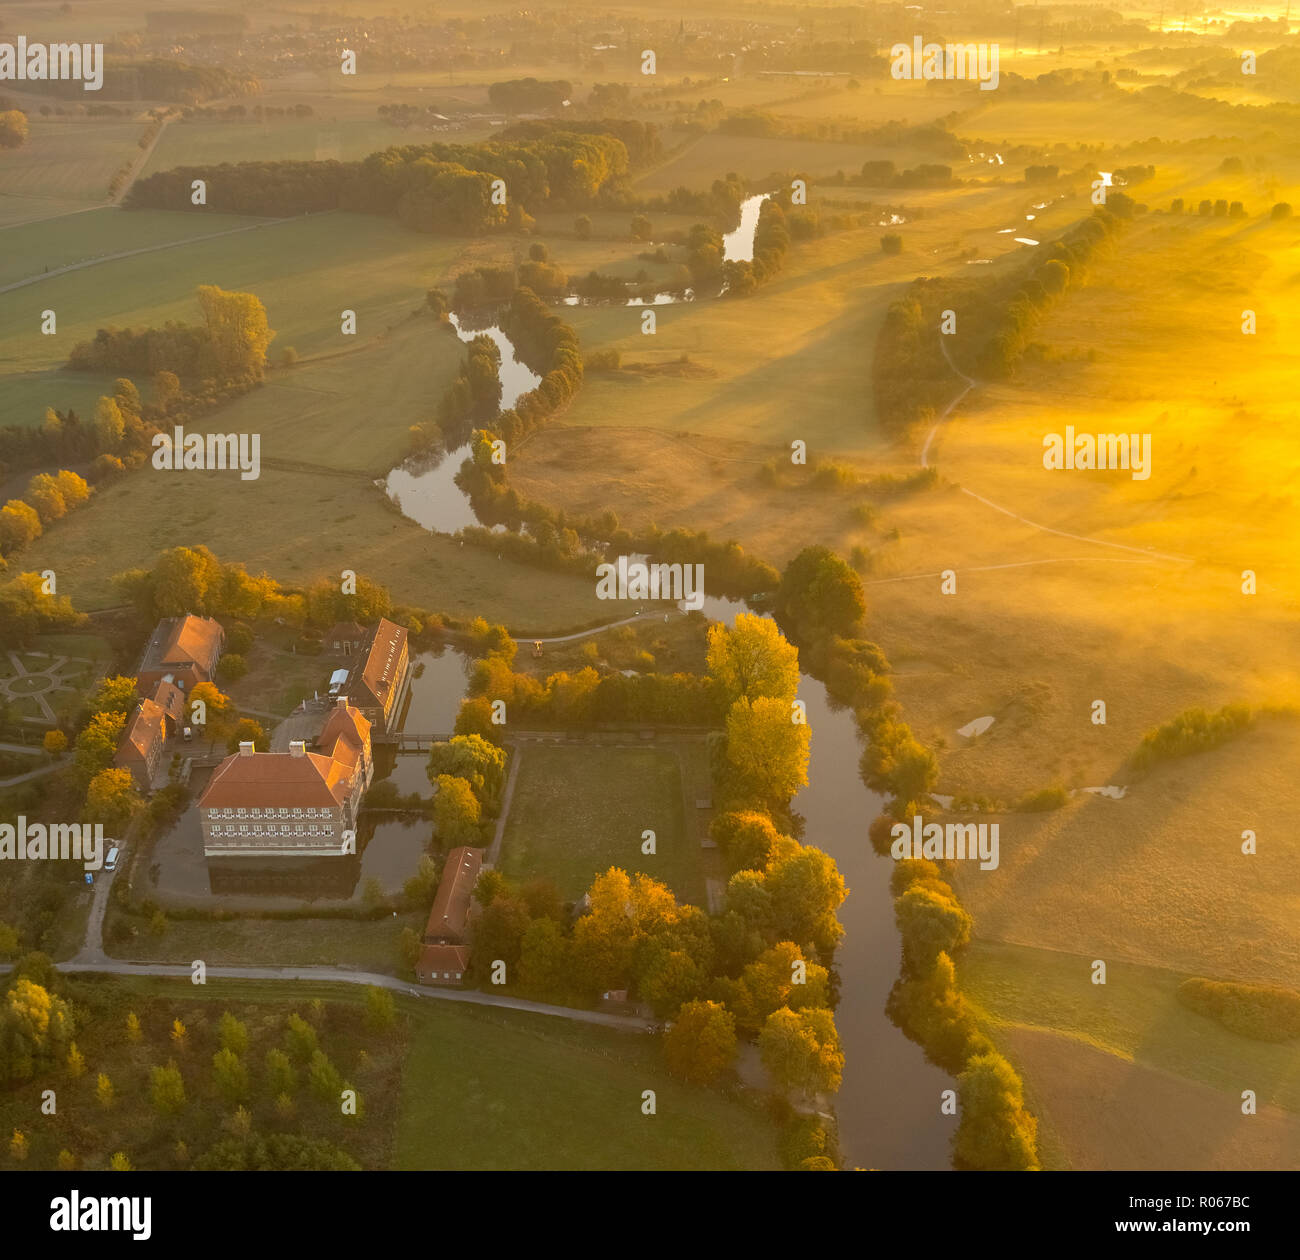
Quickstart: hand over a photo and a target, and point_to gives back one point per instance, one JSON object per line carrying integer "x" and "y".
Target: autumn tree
{"x": 801, "y": 1049}
{"x": 115, "y": 694}
{"x": 753, "y": 659}
{"x": 238, "y": 332}
{"x": 806, "y": 889}
{"x": 931, "y": 921}
{"x": 20, "y": 524}
{"x": 112, "y": 798}
{"x": 35, "y": 1029}
{"x": 701, "y": 1044}
{"x": 994, "y": 1131}
{"x": 767, "y": 752}
{"x": 779, "y": 976}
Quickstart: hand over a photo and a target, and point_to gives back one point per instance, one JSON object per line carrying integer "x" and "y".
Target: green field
{"x": 31, "y": 249}
{"x": 275, "y": 140}
{"x": 513, "y": 1091}
{"x": 578, "y": 811}
{"x": 306, "y": 271}
{"x": 63, "y": 162}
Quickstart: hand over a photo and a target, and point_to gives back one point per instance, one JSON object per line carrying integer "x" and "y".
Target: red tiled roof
{"x": 449, "y": 915}
{"x": 276, "y": 780}
{"x": 171, "y": 699}
{"x": 437, "y": 960}
{"x": 192, "y": 640}
{"x": 143, "y": 732}
{"x": 379, "y": 671}
{"x": 346, "y": 726}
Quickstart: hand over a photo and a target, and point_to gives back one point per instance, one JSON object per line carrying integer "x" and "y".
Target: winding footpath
{"x": 970, "y": 383}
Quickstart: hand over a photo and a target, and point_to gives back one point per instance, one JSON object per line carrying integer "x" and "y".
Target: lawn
{"x": 578, "y": 811}
{"x": 366, "y": 944}
{"x": 513, "y": 1091}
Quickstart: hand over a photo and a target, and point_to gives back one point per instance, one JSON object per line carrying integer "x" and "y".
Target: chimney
{"x": 245, "y": 747}
{"x": 298, "y": 748}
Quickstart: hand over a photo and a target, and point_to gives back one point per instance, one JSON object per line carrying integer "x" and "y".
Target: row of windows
{"x": 246, "y": 843}
{"x": 287, "y": 829}
{"x": 282, "y": 812}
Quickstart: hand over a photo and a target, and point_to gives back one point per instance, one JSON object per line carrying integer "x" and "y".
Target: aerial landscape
{"x": 647, "y": 587}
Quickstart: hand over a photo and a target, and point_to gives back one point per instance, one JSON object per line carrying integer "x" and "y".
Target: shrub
{"x": 1258, "y": 1011}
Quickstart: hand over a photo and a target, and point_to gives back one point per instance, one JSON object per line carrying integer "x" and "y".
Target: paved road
{"x": 608, "y": 625}
{"x": 343, "y": 975}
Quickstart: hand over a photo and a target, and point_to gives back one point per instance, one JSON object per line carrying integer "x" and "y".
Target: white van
{"x": 110, "y": 862}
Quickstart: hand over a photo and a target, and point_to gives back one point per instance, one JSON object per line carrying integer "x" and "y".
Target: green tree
{"x": 931, "y": 922}
{"x": 470, "y": 757}
{"x": 381, "y": 1010}
{"x": 820, "y": 593}
{"x": 994, "y": 1131}
{"x": 456, "y": 812}
{"x": 323, "y": 1077}
{"x": 230, "y": 1075}
{"x": 300, "y": 1038}
{"x": 233, "y": 1034}
{"x": 701, "y": 1044}
{"x": 167, "y": 1089}
{"x": 280, "y": 1076}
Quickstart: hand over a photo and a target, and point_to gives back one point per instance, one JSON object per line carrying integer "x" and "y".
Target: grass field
{"x": 275, "y": 140}
{"x": 578, "y": 811}
{"x": 512, "y": 1091}
{"x": 1172, "y": 1079}
{"x": 65, "y": 161}
{"x": 33, "y": 248}
{"x": 306, "y": 272}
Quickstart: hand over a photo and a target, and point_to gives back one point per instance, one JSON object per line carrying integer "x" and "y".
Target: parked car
{"x": 110, "y": 862}
{"x": 188, "y": 734}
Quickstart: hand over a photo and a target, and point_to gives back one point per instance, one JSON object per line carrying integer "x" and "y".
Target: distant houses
{"x": 444, "y": 954}
{"x": 294, "y": 804}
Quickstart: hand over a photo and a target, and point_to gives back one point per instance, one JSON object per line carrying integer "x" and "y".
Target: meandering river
{"x": 888, "y": 1105}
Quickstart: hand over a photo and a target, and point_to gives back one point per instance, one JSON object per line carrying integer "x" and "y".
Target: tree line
{"x": 430, "y": 187}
